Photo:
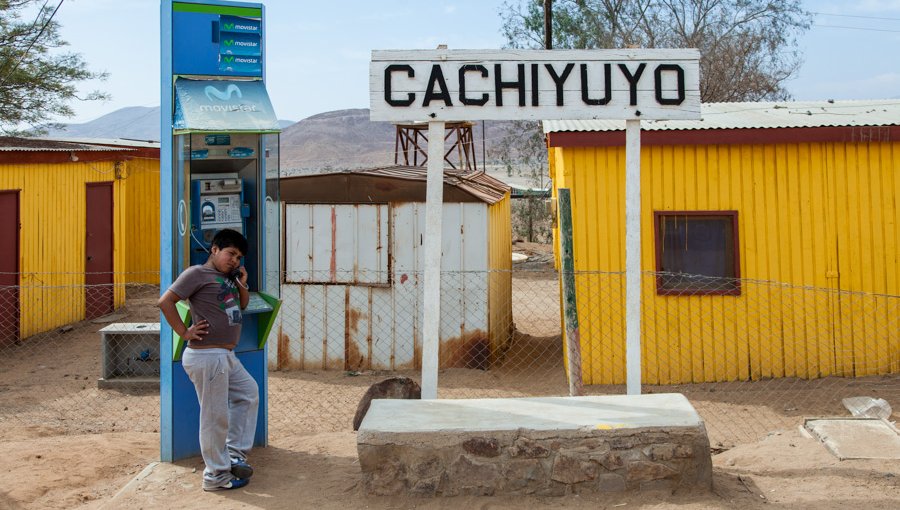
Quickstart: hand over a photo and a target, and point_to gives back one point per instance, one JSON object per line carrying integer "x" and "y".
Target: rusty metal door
{"x": 9, "y": 267}
{"x": 98, "y": 267}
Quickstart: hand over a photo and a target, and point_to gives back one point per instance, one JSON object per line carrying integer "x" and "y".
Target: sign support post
{"x": 434, "y": 204}
{"x": 633, "y": 257}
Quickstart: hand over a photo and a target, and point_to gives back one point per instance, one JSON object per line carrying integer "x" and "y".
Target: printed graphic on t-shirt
{"x": 229, "y": 301}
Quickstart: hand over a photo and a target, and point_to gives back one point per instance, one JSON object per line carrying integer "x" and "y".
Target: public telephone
{"x": 217, "y": 202}
{"x": 218, "y": 169}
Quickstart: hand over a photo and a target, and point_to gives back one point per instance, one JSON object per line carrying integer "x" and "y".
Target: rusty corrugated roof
{"x": 18, "y": 144}
{"x": 106, "y": 142}
{"x": 762, "y": 115}
{"x": 478, "y": 184}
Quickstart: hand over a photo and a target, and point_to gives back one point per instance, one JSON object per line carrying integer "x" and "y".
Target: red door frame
{"x": 99, "y": 296}
{"x": 12, "y": 292}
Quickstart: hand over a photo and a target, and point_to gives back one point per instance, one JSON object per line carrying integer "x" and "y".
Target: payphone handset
{"x": 217, "y": 202}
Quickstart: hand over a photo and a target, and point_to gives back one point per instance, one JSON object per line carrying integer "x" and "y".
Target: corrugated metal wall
{"x": 345, "y": 243}
{"x": 52, "y": 249}
{"x": 141, "y": 178}
{"x": 364, "y": 325}
{"x": 865, "y": 182}
{"x": 500, "y": 279}
{"x": 820, "y": 215}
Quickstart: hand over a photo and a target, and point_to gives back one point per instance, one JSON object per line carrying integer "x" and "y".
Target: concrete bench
{"x": 543, "y": 446}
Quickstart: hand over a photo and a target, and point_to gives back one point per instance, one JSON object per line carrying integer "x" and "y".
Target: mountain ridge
{"x": 327, "y": 141}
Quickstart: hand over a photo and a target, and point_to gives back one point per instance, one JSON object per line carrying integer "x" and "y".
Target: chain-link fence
{"x": 58, "y": 371}
{"x": 752, "y": 356}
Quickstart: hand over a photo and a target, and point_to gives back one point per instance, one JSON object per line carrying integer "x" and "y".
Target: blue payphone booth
{"x": 218, "y": 169}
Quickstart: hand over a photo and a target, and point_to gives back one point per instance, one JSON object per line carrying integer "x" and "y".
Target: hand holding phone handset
{"x": 237, "y": 274}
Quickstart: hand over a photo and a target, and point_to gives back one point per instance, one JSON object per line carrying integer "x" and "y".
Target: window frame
{"x": 662, "y": 291}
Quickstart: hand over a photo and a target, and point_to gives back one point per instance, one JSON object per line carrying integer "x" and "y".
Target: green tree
{"x": 37, "y": 80}
{"x": 748, "y": 48}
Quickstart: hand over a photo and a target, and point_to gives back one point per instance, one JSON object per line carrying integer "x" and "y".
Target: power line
{"x": 859, "y": 28}
{"x": 37, "y": 17}
{"x": 856, "y": 16}
{"x": 38, "y": 36}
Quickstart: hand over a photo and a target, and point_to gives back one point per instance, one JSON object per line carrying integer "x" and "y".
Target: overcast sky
{"x": 318, "y": 52}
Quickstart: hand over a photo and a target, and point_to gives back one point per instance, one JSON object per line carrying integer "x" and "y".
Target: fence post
{"x": 570, "y": 309}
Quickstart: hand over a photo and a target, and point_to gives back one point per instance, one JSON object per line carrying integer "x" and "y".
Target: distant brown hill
{"x": 335, "y": 140}
{"x": 347, "y": 139}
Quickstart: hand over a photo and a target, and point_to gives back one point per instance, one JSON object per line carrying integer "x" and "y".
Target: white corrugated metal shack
{"x": 353, "y": 270}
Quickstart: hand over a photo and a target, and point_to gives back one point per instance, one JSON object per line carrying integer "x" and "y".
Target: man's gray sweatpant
{"x": 229, "y": 402}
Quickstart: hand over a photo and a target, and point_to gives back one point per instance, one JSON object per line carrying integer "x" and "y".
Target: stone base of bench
{"x": 472, "y": 447}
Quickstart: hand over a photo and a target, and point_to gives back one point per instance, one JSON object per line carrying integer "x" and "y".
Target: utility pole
{"x": 548, "y": 24}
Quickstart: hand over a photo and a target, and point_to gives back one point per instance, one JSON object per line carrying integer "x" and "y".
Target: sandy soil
{"x": 321, "y": 471}
{"x": 71, "y": 445}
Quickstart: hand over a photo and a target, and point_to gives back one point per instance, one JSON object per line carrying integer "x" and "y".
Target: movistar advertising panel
{"x": 217, "y": 40}
{"x": 220, "y": 105}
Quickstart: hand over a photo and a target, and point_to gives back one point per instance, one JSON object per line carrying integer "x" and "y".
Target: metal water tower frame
{"x": 411, "y": 144}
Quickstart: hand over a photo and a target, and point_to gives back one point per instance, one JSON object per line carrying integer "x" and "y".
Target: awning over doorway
{"x": 203, "y": 106}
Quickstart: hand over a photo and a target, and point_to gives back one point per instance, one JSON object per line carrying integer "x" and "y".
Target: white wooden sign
{"x": 458, "y": 85}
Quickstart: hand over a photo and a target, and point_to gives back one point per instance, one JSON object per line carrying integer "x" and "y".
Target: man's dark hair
{"x": 227, "y": 238}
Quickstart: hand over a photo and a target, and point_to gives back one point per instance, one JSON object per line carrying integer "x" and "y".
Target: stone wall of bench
{"x": 536, "y": 462}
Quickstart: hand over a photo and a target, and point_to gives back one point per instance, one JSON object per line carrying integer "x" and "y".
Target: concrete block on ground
{"x": 544, "y": 446}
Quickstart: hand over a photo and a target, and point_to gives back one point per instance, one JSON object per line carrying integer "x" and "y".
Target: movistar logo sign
{"x": 232, "y": 89}
{"x": 214, "y": 94}
{"x": 247, "y": 44}
{"x": 233, "y": 26}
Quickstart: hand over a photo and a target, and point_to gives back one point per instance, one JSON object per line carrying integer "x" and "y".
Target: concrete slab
{"x": 857, "y": 438}
{"x": 547, "y": 413}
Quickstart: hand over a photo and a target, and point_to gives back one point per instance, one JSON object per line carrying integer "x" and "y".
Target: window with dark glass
{"x": 697, "y": 252}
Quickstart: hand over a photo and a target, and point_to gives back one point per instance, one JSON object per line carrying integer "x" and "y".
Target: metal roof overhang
{"x": 857, "y": 121}
{"x": 210, "y": 106}
{"x": 388, "y": 184}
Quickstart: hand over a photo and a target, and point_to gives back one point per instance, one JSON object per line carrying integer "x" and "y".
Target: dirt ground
{"x": 98, "y": 471}
{"x": 71, "y": 445}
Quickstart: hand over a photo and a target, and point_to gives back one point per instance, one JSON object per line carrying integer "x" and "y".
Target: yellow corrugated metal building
{"x": 142, "y": 219}
{"x": 47, "y": 189}
{"x": 809, "y": 195}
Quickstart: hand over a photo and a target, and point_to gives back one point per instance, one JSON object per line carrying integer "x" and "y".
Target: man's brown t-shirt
{"x": 213, "y": 296}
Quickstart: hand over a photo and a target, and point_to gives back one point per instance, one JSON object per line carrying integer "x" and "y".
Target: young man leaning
{"x": 228, "y": 395}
